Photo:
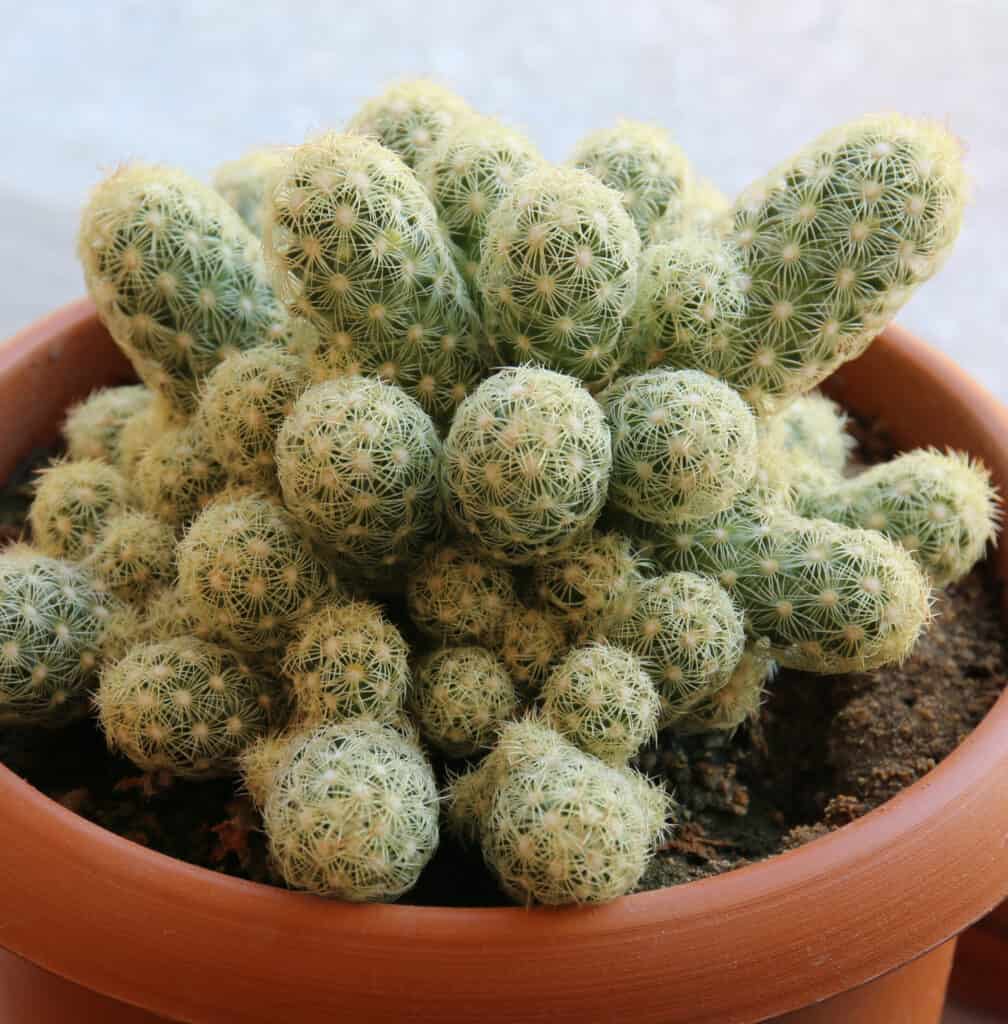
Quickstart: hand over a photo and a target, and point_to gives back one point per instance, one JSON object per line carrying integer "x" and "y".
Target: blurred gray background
{"x": 740, "y": 83}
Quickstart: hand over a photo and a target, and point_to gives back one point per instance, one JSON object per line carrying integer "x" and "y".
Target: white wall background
{"x": 741, "y": 84}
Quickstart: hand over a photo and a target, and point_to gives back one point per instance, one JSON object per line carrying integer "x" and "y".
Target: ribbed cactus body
{"x": 352, "y": 812}
{"x": 357, "y": 462}
{"x": 357, "y": 251}
{"x": 183, "y": 706}
{"x": 643, "y": 164}
{"x": 558, "y": 275}
{"x": 51, "y": 620}
{"x": 178, "y": 279}
{"x": 821, "y": 254}
{"x": 526, "y": 464}
{"x": 93, "y": 427}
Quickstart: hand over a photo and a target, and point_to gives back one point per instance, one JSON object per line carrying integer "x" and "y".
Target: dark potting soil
{"x": 823, "y": 751}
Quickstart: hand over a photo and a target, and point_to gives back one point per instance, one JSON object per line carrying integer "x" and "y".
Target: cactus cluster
{"x": 498, "y": 461}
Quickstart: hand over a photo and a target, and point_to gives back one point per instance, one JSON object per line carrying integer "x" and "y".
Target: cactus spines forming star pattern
{"x": 135, "y": 556}
{"x": 531, "y": 642}
{"x": 93, "y": 427}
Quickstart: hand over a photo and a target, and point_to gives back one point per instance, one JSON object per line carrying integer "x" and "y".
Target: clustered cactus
{"x": 506, "y": 465}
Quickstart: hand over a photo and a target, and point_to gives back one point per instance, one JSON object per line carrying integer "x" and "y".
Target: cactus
{"x": 166, "y": 615}
{"x": 139, "y": 431}
{"x": 357, "y": 462}
{"x": 351, "y": 812}
{"x": 526, "y": 463}
{"x": 177, "y": 277}
{"x": 357, "y": 251}
{"x": 456, "y": 596}
{"x": 183, "y": 706}
{"x": 51, "y": 619}
{"x": 135, "y": 555}
{"x": 601, "y": 698}
{"x": 243, "y": 183}
{"x": 244, "y": 567}
{"x": 817, "y": 596}
{"x": 460, "y": 698}
{"x": 410, "y": 118}
{"x": 689, "y": 635}
{"x": 942, "y": 508}
{"x": 347, "y": 661}
{"x": 94, "y": 426}
{"x": 532, "y": 641}
{"x": 820, "y": 255}
{"x": 177, "y": 476}
{"x": 557, "y": 825}
{"x": 467, "y": 172}
{"x": 684, "y": 445}
{"x": 737, "y": 701}
{"x": 641, "y": 162}
{"x": 243, "y": 405}
{"x": 592, "y": 583}
{"x": 699, "y": 211}
{"x": 73, "y": 503}
{"x": 558, "y": 275}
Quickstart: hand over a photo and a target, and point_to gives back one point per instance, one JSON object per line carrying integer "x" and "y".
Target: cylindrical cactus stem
{"x": 467, "y": 173}
{"x": 684, "y": 445}
{"x": 351, "y": 812}
{"x": 347, "y": 661}
{"x": 356, "y": 250}
{"x": 51, "y": 620}
{"x": 410, "y": 118}
{"x": 643, "y": 164}
{"x": 178, "y": 279}
{"x": 820, "y": 256}
{"x": 460, "y": 698}
{"x": 243, "y": 405}
{"x": 592, "y": 583}
{"x": 243, "y": 183}
{"x": 816, "y": 595}
{"x": 526, "y": 464}
{"x": 532, "y": 641}
{"x": 941, "y": 507}
{"x": 357, "y": 462}
{"x": 74, "y": 501}
{"x": 135, "y": 556}
{"x": 245, "y": 568}
{"x": 689, "y": 635}
{"x": 183, "y": 705}
{"x": 457, "y": 595}
{"x": 93, "y": 427}
{"x": 558, "y": 275}
{"x": 603, "y": 700}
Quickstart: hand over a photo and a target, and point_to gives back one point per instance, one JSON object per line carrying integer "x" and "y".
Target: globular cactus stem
{"x": 135, "y": 555}
{"x": 94, "y": 426}
{"x": 243, "y": 183}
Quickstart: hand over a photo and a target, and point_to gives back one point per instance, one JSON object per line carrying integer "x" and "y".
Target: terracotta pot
{"x": 879, "y": 901}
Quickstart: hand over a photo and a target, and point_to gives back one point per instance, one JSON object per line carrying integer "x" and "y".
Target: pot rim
{"x": 799, "y": 927}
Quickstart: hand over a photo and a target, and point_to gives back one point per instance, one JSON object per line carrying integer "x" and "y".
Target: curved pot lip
{"x": 840, "y": 910}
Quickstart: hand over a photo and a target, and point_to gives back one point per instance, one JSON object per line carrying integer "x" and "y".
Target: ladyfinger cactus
{"x": 641, "y": 162}
{"x": 184, "y": 706}
{"x": 526, "y": 463}
{"x": 135, "y": 556}
{"x": 357, "y": 251}
{"x": 457, "y": 596}
{"x": 352, "y": 812}
{"x": 460, "y": 698}
{"x": 410, "y": 118}
{"x": 601, "y": 698}
{"x": 820, "y": 256}
{"x": 699, "y": 211}
{"x": 245, "y": 568}
{"x": 93, "y": 427}
{"x": 684, "y": 445}
{"x": 51, "y": 620}
{"x": 73, "y": 503}
{"x": 737, "y": 701}
{"x": 347, "y": 661}
{"x": 816, "y": 595}
{"x": 243, "y": 183}
{"x": 357, "y": 463}
{"x": 689, "y": 636}
{"x": 558, "y": 275}
{"x": 532, "y": 641}
{"x": 177, "y": 277}
{"x": 243, "y": 405}
{"x": 467, "y": 172}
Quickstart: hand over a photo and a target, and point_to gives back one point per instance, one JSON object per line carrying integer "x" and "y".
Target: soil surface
{"x": 823, "y": 751}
